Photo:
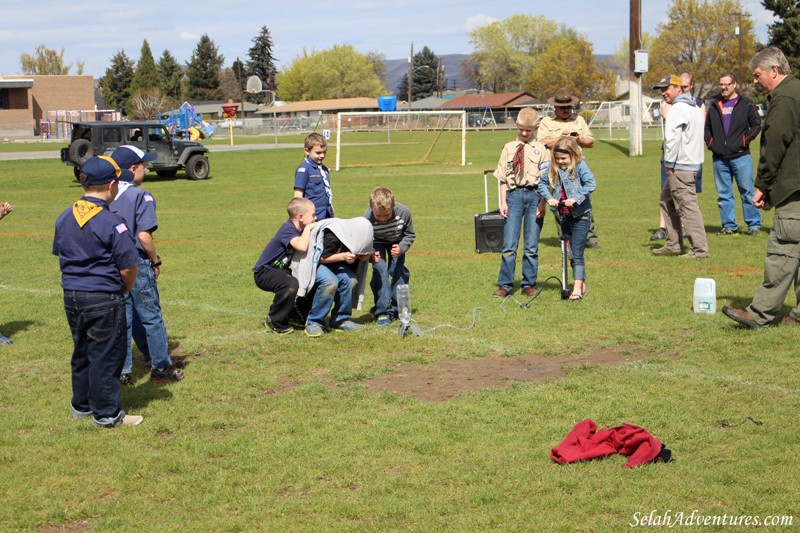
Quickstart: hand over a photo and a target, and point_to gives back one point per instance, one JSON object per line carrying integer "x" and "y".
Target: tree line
{"x": 520, "y": 53}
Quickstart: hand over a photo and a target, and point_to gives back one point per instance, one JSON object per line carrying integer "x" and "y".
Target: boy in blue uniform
{"x": 312, "y": 178}
{"x": 271, "y": 272}
{"x": 143, "y": 305}
{"x": 393, "y": 234}
{"x": 98, "y": 259}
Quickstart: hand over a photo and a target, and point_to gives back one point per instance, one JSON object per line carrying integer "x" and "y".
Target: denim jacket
{"x": 577, "y": 188}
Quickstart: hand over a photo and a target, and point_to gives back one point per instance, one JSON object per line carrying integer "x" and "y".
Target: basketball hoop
{"x": 254, "y": 85}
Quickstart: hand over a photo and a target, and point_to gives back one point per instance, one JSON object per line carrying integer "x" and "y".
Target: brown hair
{"x": 381, "y": 198}
{"x": 571, "y": 146}
{"x": 315, "y": 139}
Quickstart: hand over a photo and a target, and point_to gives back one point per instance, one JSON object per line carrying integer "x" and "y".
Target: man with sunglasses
{"x": 143, "y": 306}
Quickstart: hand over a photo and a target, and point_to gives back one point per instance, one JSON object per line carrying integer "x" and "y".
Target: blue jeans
{"x": 522, "y": 205}
{"x": 575, "y": 230}
{"x": 333, "y": 291}
{"x": 385, "y": 293}
{"x": 97, "y": 322}
{"x": 145, "y": 321}
{"x": 741, "y": 169}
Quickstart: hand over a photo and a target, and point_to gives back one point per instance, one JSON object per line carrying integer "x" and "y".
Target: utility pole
{"x": 410, "y": 73}
{"x": 635, "y": 85}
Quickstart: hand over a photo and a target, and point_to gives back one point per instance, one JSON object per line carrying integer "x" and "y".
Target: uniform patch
{"x": 302, "y": 169}
{"x": 121, "y": 228}
{"x": 536, "y": 151}
{"x": 148, "y": 198}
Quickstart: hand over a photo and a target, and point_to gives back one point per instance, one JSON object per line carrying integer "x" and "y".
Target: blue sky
{"x": 93, "y": 31}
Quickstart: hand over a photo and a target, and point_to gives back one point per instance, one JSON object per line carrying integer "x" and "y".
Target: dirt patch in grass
{"x": 450, "y": 377}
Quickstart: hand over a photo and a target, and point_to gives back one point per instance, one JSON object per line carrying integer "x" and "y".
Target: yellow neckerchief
{"x": 83, "y": 210}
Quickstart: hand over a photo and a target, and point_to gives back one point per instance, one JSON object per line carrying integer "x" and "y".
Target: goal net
{"x": 388, "y": 138}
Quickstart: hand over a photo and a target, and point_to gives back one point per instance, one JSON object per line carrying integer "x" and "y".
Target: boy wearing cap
{"x": 522, "y": 163}
{"x": 143, "y": 306}
{"x": 98, "y": 259}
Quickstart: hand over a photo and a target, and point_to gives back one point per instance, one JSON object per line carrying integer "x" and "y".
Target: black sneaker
{"x": 275, "y": 329}
{"x": 125, "y": 379}
{"x": 659, "y": 235}
{"x": 169, "y": 374}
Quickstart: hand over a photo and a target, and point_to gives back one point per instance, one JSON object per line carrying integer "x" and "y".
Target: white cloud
{"x": 188, "y": 36}
{"x": 476, "y": 21}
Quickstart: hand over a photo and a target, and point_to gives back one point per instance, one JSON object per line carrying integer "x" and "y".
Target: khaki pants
{"x": 679, "y": 206}
{"x": 780, "y": 266}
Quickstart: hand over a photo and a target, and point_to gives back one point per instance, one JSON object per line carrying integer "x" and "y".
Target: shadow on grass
{"x": 9, "y": 329}
{"x": 622, "y": 148}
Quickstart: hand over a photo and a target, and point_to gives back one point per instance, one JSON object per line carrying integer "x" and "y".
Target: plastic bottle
{"x": 403, "y": 304}
{"x": 705, "y": 296}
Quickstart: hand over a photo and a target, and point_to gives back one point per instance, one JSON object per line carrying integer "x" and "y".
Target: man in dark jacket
{"x": 731, "y": 124}
{"x": 777, "y": 184}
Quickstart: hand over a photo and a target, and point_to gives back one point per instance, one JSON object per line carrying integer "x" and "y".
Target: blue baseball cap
{"x": 101, "y": 169}
{"x": 126, "y": 156}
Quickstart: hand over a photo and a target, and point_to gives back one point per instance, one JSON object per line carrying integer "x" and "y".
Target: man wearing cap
{"x": 522, "y": 163}
{"x": 683, "y": 157}
{"x": 145, "y": 319}
{"x": 566, "y": 122}
{"x": 777, "y": 185}
{"x": 98, "y": 259}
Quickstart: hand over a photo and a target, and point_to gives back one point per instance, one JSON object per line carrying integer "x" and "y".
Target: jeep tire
{"x": 80, "y": 151}
{"x": 197, "y": 167}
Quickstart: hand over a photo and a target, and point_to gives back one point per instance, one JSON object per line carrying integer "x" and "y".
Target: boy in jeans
{"x": 393, "y": 235}
{"x": 312, "y": 178}
{"x": 271, "y": 272}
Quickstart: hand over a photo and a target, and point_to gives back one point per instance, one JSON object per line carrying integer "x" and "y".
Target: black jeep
{"x": 101, "y": 138}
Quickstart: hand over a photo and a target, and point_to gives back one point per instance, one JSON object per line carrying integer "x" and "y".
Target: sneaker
{"x": 666, "y": 251}
{"x": 77, "y": 415}
{"x": 754, "y": 231}
{"x": 383, "y": 320}
{"x": 5, "y": 340}
{"x": 168, "y": 374}
{"x": 347, "y": 325}
{"x": 125, "y": 379}
{"x": 314, "y": 330}
{"x": 727, "y": 231}
{"x": 593, "y": 244}
{"x": 692, "y": 255}
{"x": 122, "y": 419}
{"x": 280, "y": 331}
{"x": 659, "y": 235}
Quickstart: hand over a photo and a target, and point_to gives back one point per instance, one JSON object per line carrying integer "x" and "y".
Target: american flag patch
{"x": 148, "y": 198}
{"x": 301, "y": 169}
{"x": 121, "y": 228}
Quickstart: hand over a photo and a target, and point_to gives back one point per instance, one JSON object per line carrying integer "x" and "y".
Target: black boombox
{"x": 489, "y": 225}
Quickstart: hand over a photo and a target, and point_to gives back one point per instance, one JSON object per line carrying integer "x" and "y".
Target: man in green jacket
{"x": 777, "y": 185}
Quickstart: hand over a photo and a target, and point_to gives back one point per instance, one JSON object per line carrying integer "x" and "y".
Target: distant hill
{"x": 397, "y": 68}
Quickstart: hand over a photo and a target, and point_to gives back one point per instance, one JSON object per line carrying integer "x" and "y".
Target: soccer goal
{"x": 388, "y": 138}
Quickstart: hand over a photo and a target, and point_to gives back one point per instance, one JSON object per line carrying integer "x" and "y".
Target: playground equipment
{"x": 185, "y": 123}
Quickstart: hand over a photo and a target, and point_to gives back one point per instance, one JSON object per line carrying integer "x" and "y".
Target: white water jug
{"x": 705, "y": 296}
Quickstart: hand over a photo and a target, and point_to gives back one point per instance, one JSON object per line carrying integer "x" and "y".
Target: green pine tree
{"x": 424, "y": 75}
{"x": 260, "y": 61}
{"x": 116, "y": 83}
{"x": 146, "y": 75}
{"x": 783, "y": 32}
{"x": 170, "y": 74}
{"x": 203, "y": 71}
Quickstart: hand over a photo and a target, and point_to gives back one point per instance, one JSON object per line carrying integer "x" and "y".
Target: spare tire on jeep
{"x": 80, "y": 151}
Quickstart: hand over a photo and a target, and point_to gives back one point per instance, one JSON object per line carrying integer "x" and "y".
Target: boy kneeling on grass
{"x": 272, "y": 273}
{"x": 393, "y": 235}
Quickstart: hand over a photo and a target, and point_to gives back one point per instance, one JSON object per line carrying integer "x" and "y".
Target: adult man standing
{"x": 777, "y": 185}
{"x": 731, "y": 124}
{"x": 567, "y": 122}
{"x": 683, "y": 157}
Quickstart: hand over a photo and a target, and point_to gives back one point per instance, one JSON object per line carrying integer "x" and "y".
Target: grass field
{"x": 272, "y": 433}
